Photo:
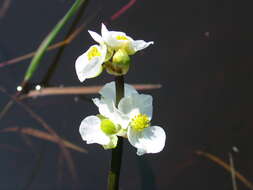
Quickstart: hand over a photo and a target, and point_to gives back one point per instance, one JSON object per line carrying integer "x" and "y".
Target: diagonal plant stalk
{"x": 50, "y": 72}
{"x": 232, "y": 168}
{"x": 123, "y": 10}
{"x": 48, "y": 40}
{"x": 4, "y": 8}
{"x": 56, "y": 45}
{"x": 226, "y": 166}
{"x": 40, "y": 156}
{"x": 42, "y": 50}
{"x": 114, "y": 173}
{"x": 44, "y": 124}
{"x": 44, "y": 136}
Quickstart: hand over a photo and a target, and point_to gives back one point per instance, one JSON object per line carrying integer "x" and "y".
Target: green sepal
{"x": 120, "y": 63}
{"x": 113, "y": 142}
{"x": 109, "y": 54}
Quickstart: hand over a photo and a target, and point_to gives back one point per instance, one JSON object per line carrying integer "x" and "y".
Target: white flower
{"x": 89, "y": 64}
{"x": 99, "y": 130}
{"x": 103, "y": 129}
{"x": 138, "y": 108}
{"x": 134, "y": 114}
{"x": 119, "y": 40}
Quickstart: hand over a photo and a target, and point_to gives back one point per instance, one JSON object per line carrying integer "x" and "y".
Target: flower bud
{"x": 120, "y": 63}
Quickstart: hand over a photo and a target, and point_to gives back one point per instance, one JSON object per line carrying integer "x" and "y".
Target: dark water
{"x": 195, "y": 42}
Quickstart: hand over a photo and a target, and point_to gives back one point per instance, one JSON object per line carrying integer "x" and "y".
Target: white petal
{"x": 107, "y": 108}
{"x": 122, "y": 120}
{"x": 150, "y": 140}
{"x": 96, "y": 37}
{"x": 110, "y": 38}
{"x": 87, "y": 69}
{"x": 136, "y": 104}
{"x": 116, "y": 44}
{"x": 140, "y": 45}
{"x": 108, "y": 91}
{"x": 90, "y": 68}
{"x": 104, "y": 30}
{"x": 103, "y": 50}
{"x": 91, "y": 132}
{"x": 132, "y": 46}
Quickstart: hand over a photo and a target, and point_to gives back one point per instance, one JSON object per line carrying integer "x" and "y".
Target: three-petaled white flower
{"x": 103, "y": 129}
{"x": 89, "y": 64}
{"x": 133, "y": 115}
{"x": 116, "y": 40}
{"x": 114, "y": 49}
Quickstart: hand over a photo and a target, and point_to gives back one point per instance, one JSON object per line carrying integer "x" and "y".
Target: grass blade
{"x": 49, "y": 38}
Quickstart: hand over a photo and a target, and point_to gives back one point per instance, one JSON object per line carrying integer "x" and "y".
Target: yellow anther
{"x": 121, "y": 38}
{"x": 93, "y": 52}
{"x": 140, "y": 122}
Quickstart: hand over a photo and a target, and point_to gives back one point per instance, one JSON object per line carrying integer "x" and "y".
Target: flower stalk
{"x": 114, "y": 173}
{"x": 123, "y": 112}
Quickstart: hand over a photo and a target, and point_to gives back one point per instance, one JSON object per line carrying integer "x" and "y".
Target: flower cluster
{"x": 113, "y": 53}
{"x": 131, "y": 118}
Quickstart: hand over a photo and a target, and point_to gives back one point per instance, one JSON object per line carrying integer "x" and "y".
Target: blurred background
{"x": 194, "y": 40}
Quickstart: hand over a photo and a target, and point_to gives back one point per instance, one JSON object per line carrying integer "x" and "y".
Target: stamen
{"x": 93, "y": 52}
{"x": 121, "y": 38}
{"x": 140, "y": 122}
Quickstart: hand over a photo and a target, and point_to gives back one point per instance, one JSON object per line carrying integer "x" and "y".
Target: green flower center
{"x": 140, "y": 122}
{"x": 121, "y": 38}
{"x": 108, "y": 127}
{"x": 93, "y": 52}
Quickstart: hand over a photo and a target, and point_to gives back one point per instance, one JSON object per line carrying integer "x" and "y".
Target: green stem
{"x": 119, "y": 82}
{"x": 114, "y": 173}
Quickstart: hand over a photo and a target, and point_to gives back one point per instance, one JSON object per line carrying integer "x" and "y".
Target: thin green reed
{"x": 42, "y": 50}
{"x": 51, "y": 70}
{"x": 49, "y": 39}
